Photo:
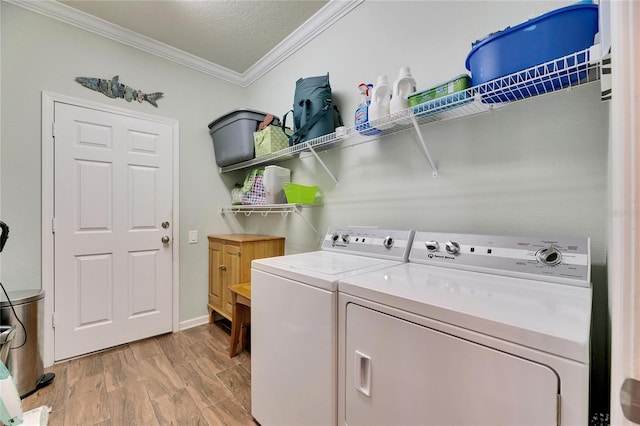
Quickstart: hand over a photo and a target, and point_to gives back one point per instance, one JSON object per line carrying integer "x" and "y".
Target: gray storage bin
{"x": 232, "y": 136}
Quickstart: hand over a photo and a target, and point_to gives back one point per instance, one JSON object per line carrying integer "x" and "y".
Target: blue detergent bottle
{"x": 362, "y": 112}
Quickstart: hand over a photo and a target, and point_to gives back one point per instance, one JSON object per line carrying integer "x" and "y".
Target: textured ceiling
{"x": 234, "y": 34}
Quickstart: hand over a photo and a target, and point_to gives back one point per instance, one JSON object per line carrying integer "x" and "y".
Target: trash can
{"x": 25, "y": 360}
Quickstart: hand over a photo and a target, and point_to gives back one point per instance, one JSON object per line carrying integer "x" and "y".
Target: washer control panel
{"x": 369, "y": 241}
{"x": 563, "y": 260}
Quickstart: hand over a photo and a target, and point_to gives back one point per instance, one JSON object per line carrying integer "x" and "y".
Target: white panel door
{"x": 112, "y": 192}
{"x": 401, "y": 373}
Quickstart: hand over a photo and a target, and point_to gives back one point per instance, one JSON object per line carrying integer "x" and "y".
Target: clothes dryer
{"x": 474, "y": 330}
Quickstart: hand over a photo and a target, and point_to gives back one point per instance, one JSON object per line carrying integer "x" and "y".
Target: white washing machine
{"x": 294, "y": 322}
{"x": 474, "y": 330}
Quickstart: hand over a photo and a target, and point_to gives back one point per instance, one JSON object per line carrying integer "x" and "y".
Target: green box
{"x": 461, "y": 82}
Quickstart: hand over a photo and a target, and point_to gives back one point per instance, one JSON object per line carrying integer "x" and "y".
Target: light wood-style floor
{"x": 185, "y": 378}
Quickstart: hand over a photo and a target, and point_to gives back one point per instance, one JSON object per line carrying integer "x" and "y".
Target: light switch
{"x": 193, "y": 237}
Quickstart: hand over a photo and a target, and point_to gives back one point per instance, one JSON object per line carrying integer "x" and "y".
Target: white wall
{"x": 41, "y": 54}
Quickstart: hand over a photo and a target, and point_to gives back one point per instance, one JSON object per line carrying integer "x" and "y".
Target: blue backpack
{"x": 314, "y": 113}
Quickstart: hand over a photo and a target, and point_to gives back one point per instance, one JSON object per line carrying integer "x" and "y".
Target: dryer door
{"x": 401, "y": 373}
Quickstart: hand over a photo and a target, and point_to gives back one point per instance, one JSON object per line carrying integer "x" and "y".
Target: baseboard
{"x": 194, "y": 322}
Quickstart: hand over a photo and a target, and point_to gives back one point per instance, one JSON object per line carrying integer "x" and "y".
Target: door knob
{"x": 164, "y": 239}
{"x": 165, "y": 225}
{"x": 630, "y": 399}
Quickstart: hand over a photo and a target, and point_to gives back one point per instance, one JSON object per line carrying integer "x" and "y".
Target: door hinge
{"x": 53, "y": 225}
{"x": 53, "y": 129}
{"x": 53, "y": 320}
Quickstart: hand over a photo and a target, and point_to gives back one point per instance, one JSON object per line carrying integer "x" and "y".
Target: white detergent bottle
{"x": 402, "y": 88}
{"x": 380, "y": 105}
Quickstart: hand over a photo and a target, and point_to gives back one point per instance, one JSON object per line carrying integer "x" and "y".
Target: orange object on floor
{"x": 241, "y": 316}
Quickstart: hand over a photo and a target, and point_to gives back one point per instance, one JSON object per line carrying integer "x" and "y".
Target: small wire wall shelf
{"x": 563, "y": 73}
{"x": 266, "y": 209}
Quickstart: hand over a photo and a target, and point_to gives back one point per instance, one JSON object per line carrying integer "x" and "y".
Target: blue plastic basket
{"x": 548, "y": 77}
{"x": 553, "y": 35}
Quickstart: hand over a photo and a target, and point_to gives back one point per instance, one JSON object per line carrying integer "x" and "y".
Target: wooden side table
{"x": 241, "y": 315}
{"x": 230, "y": 257}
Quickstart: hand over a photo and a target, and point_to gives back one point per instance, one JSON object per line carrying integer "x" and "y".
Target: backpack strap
{"x": 340, "y": 123}
{"x": 284, "y": 121}
{"x": 301, "y": 132}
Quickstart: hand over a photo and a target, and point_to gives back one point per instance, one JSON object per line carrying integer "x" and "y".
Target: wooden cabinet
{"x": 230, "y": 259}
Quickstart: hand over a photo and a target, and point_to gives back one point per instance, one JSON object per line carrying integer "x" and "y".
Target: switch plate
{"x": 193, "y": 237}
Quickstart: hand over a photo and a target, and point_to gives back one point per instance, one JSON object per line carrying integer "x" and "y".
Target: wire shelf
{"x": 563, "y": 73}
{"x": 265, "y": 209}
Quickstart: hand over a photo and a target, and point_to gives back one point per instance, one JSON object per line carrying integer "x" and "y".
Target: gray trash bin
{"x": 25, "y": 360}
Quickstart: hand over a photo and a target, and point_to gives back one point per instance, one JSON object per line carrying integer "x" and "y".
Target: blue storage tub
{"x": 553, "y": 35}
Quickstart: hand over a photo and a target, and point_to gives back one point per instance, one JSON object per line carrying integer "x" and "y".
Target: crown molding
{"x": 314, "y": 26}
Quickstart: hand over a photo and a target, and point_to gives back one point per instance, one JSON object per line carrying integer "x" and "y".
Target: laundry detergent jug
{"x": 402, "y": 88}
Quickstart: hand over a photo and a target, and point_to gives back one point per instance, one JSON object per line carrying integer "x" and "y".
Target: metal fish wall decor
{"x": 114, "y": 89}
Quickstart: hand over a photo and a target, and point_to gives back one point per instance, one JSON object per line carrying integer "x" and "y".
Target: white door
{"x": 401, "y": 373}
{"x": 112, "y": 193}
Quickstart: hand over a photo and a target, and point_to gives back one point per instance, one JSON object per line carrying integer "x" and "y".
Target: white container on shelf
{"x": 402, "y": 88}
{"x": 272, "y": 181}
{"x": 380, "y": 106}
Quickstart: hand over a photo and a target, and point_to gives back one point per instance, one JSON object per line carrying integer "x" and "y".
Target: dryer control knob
{"x": 335, "y": 237}
{"x": 388, "y": 241}
{"x": 549, "y": 256}
{"x": 345, "y": 238}
{"x": 452, "y": 247}
{"x": 432, "y": 245}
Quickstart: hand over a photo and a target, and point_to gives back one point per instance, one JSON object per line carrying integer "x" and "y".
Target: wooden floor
{"x": 185, "y": 378}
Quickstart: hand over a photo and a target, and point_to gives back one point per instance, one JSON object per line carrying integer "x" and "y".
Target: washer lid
{"x": 321, "y": 269}
{"x": 545, "y": 316}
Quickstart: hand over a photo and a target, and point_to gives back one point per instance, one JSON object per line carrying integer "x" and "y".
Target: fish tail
{"x": 153, "y": 97}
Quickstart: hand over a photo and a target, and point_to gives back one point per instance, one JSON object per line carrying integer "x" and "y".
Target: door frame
{"x": 623, "y": 260}
{"x": 48, "y": 104}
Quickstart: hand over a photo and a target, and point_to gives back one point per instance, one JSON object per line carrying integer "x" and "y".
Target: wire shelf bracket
{"x": 322, "y": 163}
{"x": 434, "y": 169}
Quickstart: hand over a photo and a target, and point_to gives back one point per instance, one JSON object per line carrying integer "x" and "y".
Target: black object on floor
{"x": 44, "y": 380}
{"x": 224, "y": 324}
